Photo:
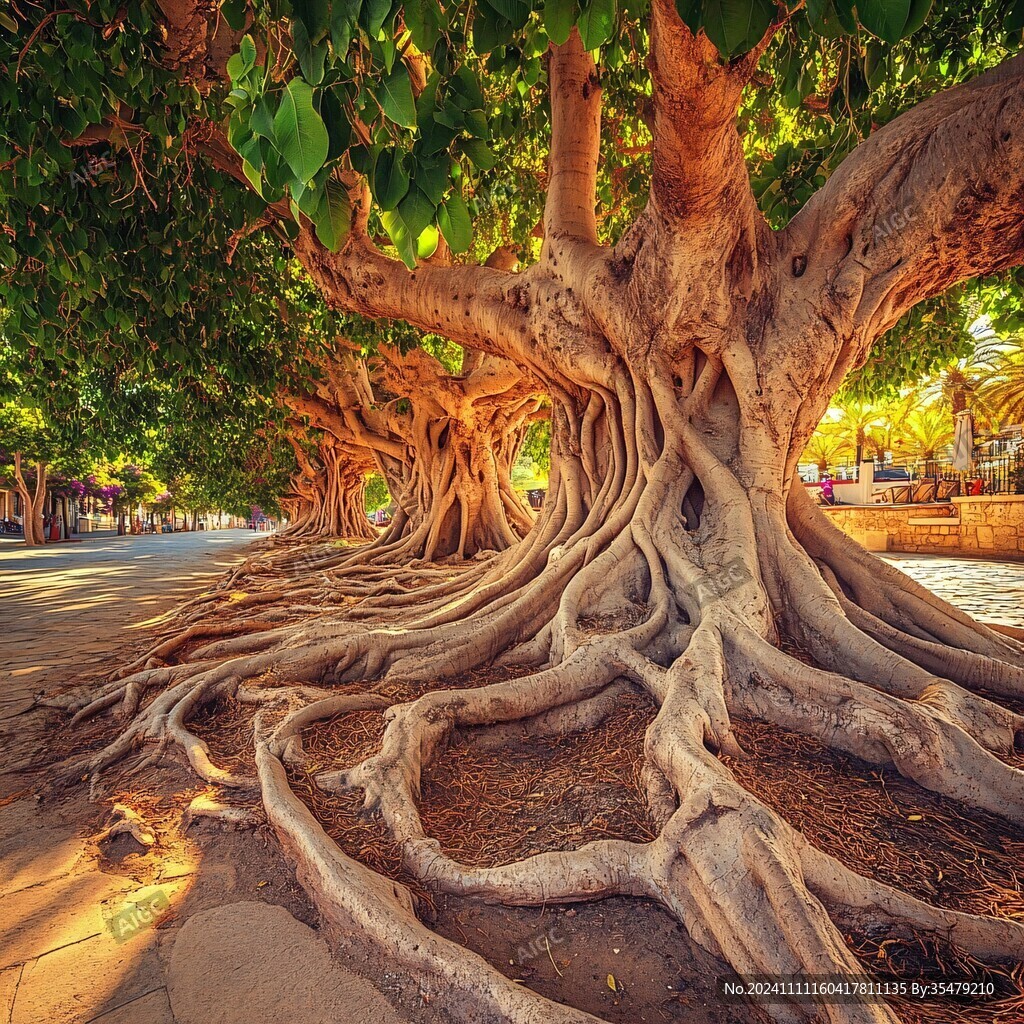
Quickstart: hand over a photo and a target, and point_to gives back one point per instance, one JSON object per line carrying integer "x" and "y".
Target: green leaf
{"x": 434, "y": 177}
{"x": 390, "y": 179}
{"x": 559, "y": 18}
{"x": 423, "y": 19}
{"x": 387, "y": 50}
{"x": 919, "y": 11}
{"x": 875, "y": 66}
{"x": 735, "y": 26}
{"x": 691, "y": 12}
{"x": 236, "y": 67}
{"x": 311, "y": 56}
{"x": 426, "y": 244}
{"x": 261, "y": 121}
{"x": 468, "y": 89}
{"x": 884, "y": 18}
{"x": 454, "y": 221}
{"x": 234, "y": 14}
{"x": 490, "y": 29}
{"x": 301, "y": 134}
{"x": 394, "y": 94}
{"x": 342, "y": 22}
{"x": 477, "y": 125}
{"x": 253, "y": 175}
{"x": 400, "y": 237}
{"x": 451, "y": 116}
{"x": 333, "y": 216}
{"x": 373, "y": 15}
{"x": 417, "y": 211}
{"x": 477, "y": 151}
{"x": 248, "y": 51}
{"x": 314, "y": 16}
{"x": 514, "y": 11}
{"x": 338, "y": 127}
{"x": 597, "y": 23}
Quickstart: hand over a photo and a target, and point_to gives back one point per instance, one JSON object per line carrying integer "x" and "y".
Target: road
{"x": 74, "y": 948}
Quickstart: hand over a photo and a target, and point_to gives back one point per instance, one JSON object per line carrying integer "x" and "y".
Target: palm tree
{"x": 1003, "y": 387}
{"x": 856, "y": 423}
{"x": 926, "y": 431}
{"x": 960, "y": 384}
{"x": 891, "y": 416}
{"x": 826, "y": 447}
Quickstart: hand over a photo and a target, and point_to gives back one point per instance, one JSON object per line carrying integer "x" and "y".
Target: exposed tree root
{"x": 617, "y": 586}
{"x": 127, "y": 822}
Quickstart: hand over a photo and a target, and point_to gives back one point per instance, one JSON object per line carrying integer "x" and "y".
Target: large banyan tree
{"x": 444, "y": 440}
{"x": 327, "y": 493}
{"x": 719, "y": 209}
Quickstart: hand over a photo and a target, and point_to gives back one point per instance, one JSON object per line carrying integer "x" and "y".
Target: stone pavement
{"x": 65, "y": 608}
{"x": 990, "y": 590}
{"x": 201, "y": 927}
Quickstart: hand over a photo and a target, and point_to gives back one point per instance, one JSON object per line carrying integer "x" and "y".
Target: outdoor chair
{"x": 897, "y": 495}
{"x": 924, "y": 492}
{"x": 947, "y": 489}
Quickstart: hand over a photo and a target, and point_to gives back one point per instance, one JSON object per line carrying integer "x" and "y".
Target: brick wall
{"x": 989, "y": 525}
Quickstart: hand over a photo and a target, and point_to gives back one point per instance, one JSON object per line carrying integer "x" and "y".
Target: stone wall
{"x": 992, "y": 525}
{"x": 988, "y": 525}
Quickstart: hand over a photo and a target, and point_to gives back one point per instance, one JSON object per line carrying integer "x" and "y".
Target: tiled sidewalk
{"x": 989, "y": 590}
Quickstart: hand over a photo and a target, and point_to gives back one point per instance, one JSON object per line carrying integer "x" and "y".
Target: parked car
{"x": 896, "y": 474}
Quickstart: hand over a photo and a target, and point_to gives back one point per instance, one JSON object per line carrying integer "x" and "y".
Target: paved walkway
{"x": 198, "y": 927}
{"x": 64, "y": 606}
{"x": 989, "y": 590}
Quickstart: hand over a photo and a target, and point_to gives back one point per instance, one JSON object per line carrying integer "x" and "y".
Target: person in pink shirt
{"x": 828, "y": 490}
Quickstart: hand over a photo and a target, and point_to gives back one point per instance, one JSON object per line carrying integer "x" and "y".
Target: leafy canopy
{"x": 122, "y": 246}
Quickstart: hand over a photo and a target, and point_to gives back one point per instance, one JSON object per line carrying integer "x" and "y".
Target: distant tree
{"x": 924, "y": 433}
{"x": 827, "y": 446}
{"x": 1002, "y": 388}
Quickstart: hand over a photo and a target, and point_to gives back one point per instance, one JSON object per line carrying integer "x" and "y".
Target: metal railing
{"x": 1000, "y": 473}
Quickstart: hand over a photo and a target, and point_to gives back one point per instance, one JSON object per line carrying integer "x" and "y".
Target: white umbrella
{"x": 963, "y": 441}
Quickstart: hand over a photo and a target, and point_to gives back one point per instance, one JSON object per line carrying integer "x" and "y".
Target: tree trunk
{"x": 446, "y": 446}
{"x": 674, "y": 553}
{"x": 455, "y": 492}
{"x": 329, "y": 500}
{"x": 32, "y": 501}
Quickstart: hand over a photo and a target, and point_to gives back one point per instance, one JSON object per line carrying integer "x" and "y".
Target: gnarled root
{"x": 654, "y": 570}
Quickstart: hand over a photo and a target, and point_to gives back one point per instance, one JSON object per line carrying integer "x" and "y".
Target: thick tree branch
{"x": 197, "y": 40}
{"x": 933, "y": 198}
{"x": 345, "y": 424}
{"x": 484, "y": 377}
{"x": 479, "y": 307}
{"x": 699, "y": 168}
{"x": 575, "y": 144}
